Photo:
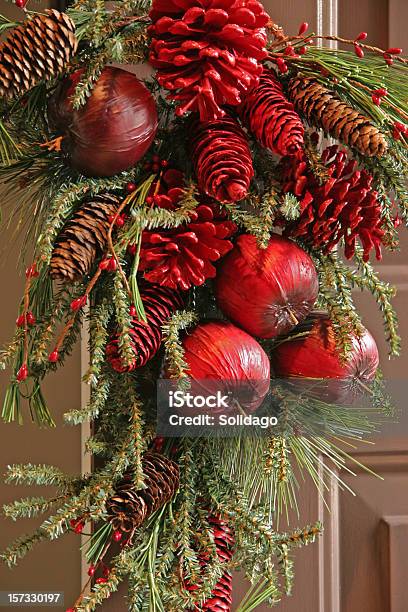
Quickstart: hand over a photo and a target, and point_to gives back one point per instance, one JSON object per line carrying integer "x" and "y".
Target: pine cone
{"x": 128, "y": 508}
{"x": 207, "y": 54}
{"x": 222, "y": 159}
{"x": 324, "y": 109}
{"x": 37, "y": 49}
{"x": 182, "y": 257}
{"x": 83, "y": 238}
{"x": 221, "y": 596}
{"x": 343, "y": 207}
{"x": 159, "y": 303}
{"x": 271, "y": 117}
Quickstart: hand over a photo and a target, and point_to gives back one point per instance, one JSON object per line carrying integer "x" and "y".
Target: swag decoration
{"x": 198, "y": 224}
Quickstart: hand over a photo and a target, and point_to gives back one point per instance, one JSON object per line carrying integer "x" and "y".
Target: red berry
{"x": 32, "y": 271}
{"x": 394, "y": 51}
{"x": 164, "y": 163}
{"x": 358, "y": 50}
{"x": 53, "y": 357}
{"x": 79, "y": 527}
{"x": 132, "y": 311}
{"x": 132, "y": 248}
{"x": 396, "y": 134}
{"x": 362, "y": 36}
{"x": 73, "y": 522}
{"x": 20, "y": 3}
{"x": 380, "y": 92}
{"x": 130, "y": 187}
{"x": 282, "y": 65}
{"x": 111, "y": 218}
{"x": 78, "y": 303}
{"x": 30, "y": 318}
{"x": 149, "y": 200}
{"x": 302, "y": 50}
{"x": 303, "y": 28}
{"x": 91, "y": 570}
{"x": 120, "y": 221}
{"x": 401, "y": 127}
{"x": 106, "y": 572}
{"x": 117, "y": 536}
{"x": 22, "y": 373}
{"x": 376, "y": 100}
{"x": 100, "y": 580}
{"x": 112, "y": 264}
{"x": 20, "y": 321}
{"x": 289, "y": 50}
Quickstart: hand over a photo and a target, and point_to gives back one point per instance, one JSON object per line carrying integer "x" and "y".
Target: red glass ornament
{"x": 115, "y": 127}
{"x": 266, "y": 291}
{"x": 315, "y": 356}
{"x": 229, "y": 360}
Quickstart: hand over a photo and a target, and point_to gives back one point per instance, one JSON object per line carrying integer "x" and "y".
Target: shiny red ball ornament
{"x": 115, "y": 127}
{"x": 315, "y": 356}
{"x": 266, "y": 291}
{"x": 230, "y": 360}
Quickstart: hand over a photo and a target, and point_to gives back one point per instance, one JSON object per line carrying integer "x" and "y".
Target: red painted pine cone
{"x": 266, "y": 291}
{"x": 315, "y": 356}
{"x": 183, "y": 256}
{"x": 222, "y": 159}
{"x": 159, "y": 303}
{"x": 271, "y": 117}
{"x": 207, "y": 53}
{"x": 344, "y": 207}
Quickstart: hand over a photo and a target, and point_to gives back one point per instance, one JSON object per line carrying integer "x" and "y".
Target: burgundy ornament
{"x": 315, "y": 356}
{"x": 266, "y": 291}
{"x": 115, "y": 127}
{"x": 229, "y": 360}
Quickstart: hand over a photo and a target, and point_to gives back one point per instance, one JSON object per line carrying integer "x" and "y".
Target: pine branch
{"x": 174, "y": 352}
{"x": 29, "y": 507}
{"x": 42, "y": 475}
{"x": 21, "y": 547}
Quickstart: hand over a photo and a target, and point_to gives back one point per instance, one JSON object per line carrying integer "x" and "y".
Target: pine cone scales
{"x": 159, "y": 303}
{"x": 207, "y": 53}
{"x": 222, "y": 159}
{"x": 37, "y": 49}
{"x": 271, "y": 117}
{"x": 83, "y": 238}
{"x": 324, "y": 109}
{"x": 183, "y": 256}
{"x": 344, "y": 207}
{"x": 128, "y": 508}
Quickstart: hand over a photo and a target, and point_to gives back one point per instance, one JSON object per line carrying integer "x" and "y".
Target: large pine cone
{"x": 207, "y": 53}
{"x": 271, "y": 117}
{"x": 222, "y": 159}
{"x": 83, "y": 238}
{"x": 323, "y": 108}
{"x": 159, "y": 303}
{"x": 182, "y": 257}
{"x": 128, "y": 508}
{"x": 344, "y": 207}
{"x": 37, "y": 49}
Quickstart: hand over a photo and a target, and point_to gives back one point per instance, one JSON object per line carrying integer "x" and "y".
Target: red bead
{"x": 132, "y": 311}
{"x": 130, "y": 187}
{"x": 303, "y": 28}
{"x": 111, "y": 218}
{"x": 30, "y": 318}
{"x": 20, "y": 321}
{"x": 117, "y": 536}
{"x": 91, "y": 570}
{"x": 394, "y": 51}
{"x": 121, "y": 220}
{"x": 358, "y": 51}
{"x": 362, "y": 36}
{"x": 78, "y": 303}
{"x": 100, "y": 580}
{"x": 22, "y": 373}
{"x": 53, "y": 357}
{"x": 132, "y": 248}
{"x": 282, "y": 65}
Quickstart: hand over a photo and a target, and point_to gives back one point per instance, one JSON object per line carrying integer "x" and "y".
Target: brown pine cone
{"x": 37, "y": 49}
{"x": 128, "y": 508}
{"x": 83, "y": 238}
{"x": 322, "y": 108}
